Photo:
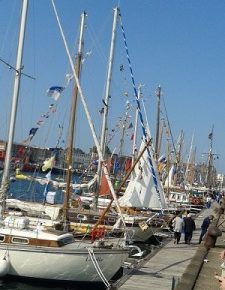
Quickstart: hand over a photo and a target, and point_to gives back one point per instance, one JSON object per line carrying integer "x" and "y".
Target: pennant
{"x": 210, "y": 136}
{"x": 162, "y": 159}
{"x": 101, "y": 111}
{"x": 48, "y": 164}
{"x": 48, "y": 176}
{"x": 40, "y": 122}
{"x": 33, "y": 132}
{"x": 130, "y": 126}
{"x": 45, "y": 115}
{"x": 55, "y": 92}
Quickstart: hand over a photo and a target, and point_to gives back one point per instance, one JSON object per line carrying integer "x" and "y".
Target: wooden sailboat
{"x": 41, "y": 253}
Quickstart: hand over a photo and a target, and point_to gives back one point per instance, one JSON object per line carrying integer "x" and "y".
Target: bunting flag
{"x": 55, "y": 92}
{"x": 32, "y": 132}
{"x": 48, "y": 163}
{"x": 130, "y": 126}
{"x": 210, "y": 135}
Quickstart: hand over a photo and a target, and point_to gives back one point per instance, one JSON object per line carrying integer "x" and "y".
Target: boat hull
{"x": 62, "y": 264}
{"x": 136, "y": 234}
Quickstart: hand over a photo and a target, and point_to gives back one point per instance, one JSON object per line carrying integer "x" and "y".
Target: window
{"x": 18, "y": 240}
{"x": 2, "y": 238}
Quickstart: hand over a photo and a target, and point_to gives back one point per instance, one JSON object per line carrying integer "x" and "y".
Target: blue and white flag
{"x": 50, "y": 197}
{"x": 55, "y": 92}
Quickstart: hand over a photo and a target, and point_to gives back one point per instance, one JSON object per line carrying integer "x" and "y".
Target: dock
{"x": 178, "y": 267}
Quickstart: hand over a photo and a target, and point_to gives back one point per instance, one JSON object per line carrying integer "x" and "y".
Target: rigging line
{"x": 140, "y": 114}
{"x": 90, "y": 122}
{"x": 17, "y": 71}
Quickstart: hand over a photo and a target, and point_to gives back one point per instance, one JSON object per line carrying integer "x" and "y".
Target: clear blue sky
{"x": 177, "y": 44}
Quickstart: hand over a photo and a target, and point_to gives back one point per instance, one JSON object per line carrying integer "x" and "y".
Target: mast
{"x": 209, "y": 177}
{"x": 107, "y": 90}
{"x": 123, "y": 129}
{"x": 5, "y": 178}
{"x": 188, "y": 162}
{"x": 69, "y": 153}
{"x": 134, "y": 150}
{"x": 158, "y": 95}
{"x": 105, "y": 170}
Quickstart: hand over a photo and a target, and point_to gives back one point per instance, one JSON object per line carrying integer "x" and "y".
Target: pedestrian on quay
{"x": 189, "y": 227}
{"x": 178, "y": 225}
{"x": 204, "y": 227}
{"x": 208, "y": 201}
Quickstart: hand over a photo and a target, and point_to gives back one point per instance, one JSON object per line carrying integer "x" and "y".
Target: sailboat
{"x": 141, "y": 197}
{"x": 43, "y": 253}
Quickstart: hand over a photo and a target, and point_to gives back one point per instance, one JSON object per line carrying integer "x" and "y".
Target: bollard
{"x": 211, "y": 236}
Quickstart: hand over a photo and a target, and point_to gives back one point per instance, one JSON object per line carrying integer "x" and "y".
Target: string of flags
{"x": 54, "y": 92}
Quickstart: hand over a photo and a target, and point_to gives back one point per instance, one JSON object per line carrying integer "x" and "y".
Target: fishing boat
{"x": 44, "y": 253}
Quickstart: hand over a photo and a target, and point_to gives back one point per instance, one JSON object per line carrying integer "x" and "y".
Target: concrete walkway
{"x": 164, "y": 269}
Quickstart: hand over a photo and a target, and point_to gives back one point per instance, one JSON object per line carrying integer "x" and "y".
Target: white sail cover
{"x": 141, "y": 190}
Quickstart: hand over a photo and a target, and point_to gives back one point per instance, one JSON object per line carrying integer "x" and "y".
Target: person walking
{"x": 178, "y": 225}
{"x": 189, "y": 227}
{"x": 204, "y": 227}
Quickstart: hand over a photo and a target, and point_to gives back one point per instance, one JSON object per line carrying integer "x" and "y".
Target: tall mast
{"x": 5, "y": 178}
{"x": 123, "y": 129}
{"x": 188, "y": 161}
{"x": 107, "y": 89}
{"x": 135, "y": 129}
{"x": 158, "y": 95}
{"x": 210, "y": 161}
{"x": 69, "y": 153}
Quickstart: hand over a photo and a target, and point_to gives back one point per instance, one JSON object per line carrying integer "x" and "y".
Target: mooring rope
{"x": 98, "y": 269}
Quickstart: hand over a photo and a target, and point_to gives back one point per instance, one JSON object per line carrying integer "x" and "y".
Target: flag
{"x": 48, "y": 163}
{"x": 130, "y": 126}
{"x": 50, "y": 197}
{"x": 40, "y": 122}
{"x": 210, "y": 135}
{"x": 33, "y": 132}
{"x": 48, "y": 176}
{"x": 162, "y": 159}
{"x": 55, "y": 92}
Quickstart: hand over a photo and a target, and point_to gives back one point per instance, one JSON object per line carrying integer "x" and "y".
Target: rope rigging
{"x": 139, "y": 112}
{"x": 17, "y": 71}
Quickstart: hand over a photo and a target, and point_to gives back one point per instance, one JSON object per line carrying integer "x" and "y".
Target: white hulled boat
{"x": 40, "y": 253}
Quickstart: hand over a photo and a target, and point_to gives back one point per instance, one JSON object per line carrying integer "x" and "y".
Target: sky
{"x": 177, "y": 44}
